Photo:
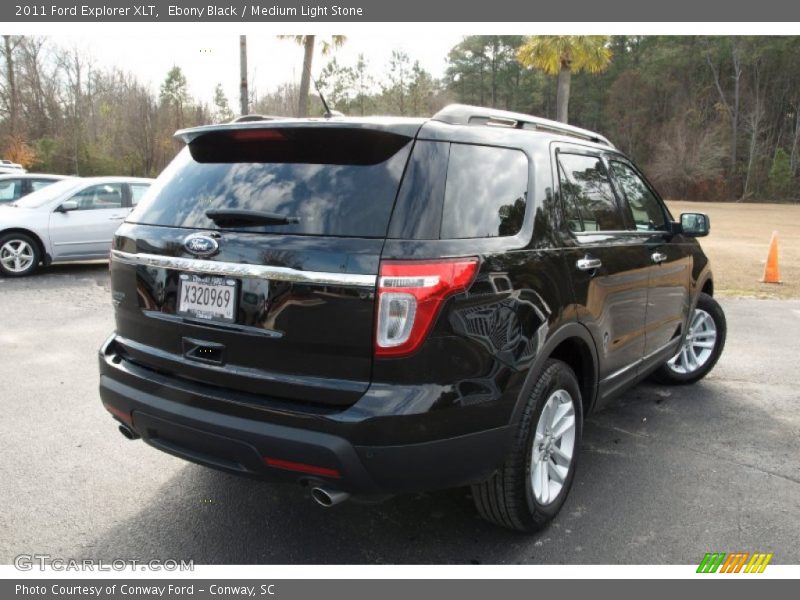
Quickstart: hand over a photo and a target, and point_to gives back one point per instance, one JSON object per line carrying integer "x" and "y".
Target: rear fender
{"x": 571, "y": 330}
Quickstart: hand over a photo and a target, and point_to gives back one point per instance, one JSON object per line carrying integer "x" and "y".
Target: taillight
{"x": 410, "y": 294}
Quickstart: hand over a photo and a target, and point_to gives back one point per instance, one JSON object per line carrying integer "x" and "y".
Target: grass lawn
{"x": 739, "y": 241}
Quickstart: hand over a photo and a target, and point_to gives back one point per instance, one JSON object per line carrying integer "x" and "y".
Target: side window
{"x": 587, "y": 196}
{"x": 418, "y": 210}
{"x": 137, "y": 191}
{"x": 95, "y": 197}
{"x": 10, "y": 190}
{"x": 37, "y": 184}
{"x": 645, "y": 208}
{"x": 485, "y": 192}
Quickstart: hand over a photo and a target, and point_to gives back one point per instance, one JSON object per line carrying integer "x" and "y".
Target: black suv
{"x": 376, "y": 306}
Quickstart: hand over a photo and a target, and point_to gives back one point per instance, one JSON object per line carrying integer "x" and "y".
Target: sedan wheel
{"x": 19, "y": 255}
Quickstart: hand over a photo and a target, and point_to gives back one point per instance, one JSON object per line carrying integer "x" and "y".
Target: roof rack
{"x": 462, "y": 114}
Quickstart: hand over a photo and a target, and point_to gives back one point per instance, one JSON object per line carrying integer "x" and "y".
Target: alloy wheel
{"x": 553, "y": 447}
{"x": 698, "y": 346}
{"x": 16, "y": 256}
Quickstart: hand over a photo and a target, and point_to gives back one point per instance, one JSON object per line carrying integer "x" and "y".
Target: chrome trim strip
{"x": 672, "y": 342}
{"x": 226, "y": 269}
{"x": 108, "y": 241}
{"x": 409, "y": 281}
{"x": 639, "y": 361}
{"x": 619, "y": 372}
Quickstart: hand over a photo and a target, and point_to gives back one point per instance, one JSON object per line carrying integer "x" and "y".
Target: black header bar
{"x": 348, "y": 11}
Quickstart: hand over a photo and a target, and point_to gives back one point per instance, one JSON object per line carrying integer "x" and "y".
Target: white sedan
{"x": 73, "y": 219}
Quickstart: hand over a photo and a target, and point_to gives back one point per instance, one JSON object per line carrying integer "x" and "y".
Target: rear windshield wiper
{"x": 233, "y": 217}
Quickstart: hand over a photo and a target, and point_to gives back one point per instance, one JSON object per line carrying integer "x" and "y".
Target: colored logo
{"x": 200, "y": 244}
{"x": 734, "y": 562}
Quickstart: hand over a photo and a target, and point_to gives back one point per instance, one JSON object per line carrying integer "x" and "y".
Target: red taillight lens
{"x": 257, "y": 135}
{"x": 410, "y": 294}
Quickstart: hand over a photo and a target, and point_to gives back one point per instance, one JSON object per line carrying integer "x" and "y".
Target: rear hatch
{"x": 251, "y": 262}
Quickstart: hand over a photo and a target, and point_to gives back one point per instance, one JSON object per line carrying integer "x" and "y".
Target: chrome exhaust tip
{"x": 328, "y": 497}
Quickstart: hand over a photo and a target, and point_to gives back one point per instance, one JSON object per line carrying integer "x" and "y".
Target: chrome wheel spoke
{"x": 697, "y": 344}
{"x": 562, "y": 456}
{"x": 557, "y": 473}
{"x": 692, "y": 358}
{"x": 566, "y": 427}
{"x": 560, "y": 416}
{"x": 544, "y": 482}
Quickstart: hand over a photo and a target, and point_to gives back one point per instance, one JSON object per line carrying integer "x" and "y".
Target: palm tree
{"x": 308, "y": 42}
{"x": 562, "y": 55}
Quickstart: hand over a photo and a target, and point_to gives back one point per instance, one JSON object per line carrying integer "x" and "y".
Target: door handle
{"x": 588, "y": 263}
{"x": 658, "y": 257}
{"x": 115, "y": 218}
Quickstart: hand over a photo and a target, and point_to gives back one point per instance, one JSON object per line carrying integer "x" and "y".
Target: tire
{"x": 694, "y": 361}
{"x": 509, "y": 498}
{"x": 19, "y": 254}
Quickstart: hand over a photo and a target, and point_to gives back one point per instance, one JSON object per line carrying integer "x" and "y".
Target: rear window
{"x": 37, "y": 184}
{"x": 334, "y": 182}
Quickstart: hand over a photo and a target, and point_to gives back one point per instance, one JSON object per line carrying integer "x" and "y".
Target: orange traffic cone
{"x": 771, "y": 272}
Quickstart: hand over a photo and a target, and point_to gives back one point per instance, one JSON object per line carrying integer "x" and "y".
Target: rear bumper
{"x": 216, "y": 428}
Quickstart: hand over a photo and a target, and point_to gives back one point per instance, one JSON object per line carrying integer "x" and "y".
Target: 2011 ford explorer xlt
{"x": 376, "y": 306}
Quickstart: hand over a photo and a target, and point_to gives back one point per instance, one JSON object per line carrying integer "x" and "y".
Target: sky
{"x": 207, "y": 60}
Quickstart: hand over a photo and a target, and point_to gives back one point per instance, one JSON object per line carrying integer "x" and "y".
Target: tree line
{"x": 708, "y": 117}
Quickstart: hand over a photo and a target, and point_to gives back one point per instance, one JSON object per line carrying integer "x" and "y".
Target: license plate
{"x": 211, "y": 298}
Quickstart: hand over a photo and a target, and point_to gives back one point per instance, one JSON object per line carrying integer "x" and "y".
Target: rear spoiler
{"x": 398, "y": 126}
{"x": 331, "y": 142}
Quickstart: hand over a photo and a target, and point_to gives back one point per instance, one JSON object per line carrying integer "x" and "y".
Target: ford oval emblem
{"x": 201, "y": 244}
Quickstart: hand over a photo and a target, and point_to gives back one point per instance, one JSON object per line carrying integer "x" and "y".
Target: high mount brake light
{"x": 256, "y": 135}
{"x": 410, "y": 294}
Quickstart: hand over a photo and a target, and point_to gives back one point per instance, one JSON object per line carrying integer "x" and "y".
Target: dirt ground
{"x": 739, "y": 242}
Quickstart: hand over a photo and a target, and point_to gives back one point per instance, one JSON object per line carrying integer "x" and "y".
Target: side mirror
{"x": 695, "y": 224}
{"x": 67, "y": 206}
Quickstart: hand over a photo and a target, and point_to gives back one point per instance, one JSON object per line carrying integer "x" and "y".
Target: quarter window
{"x": 137, "y": 191}
{"x": 418, "y": 211}
{"x": 588, "y": 198}
{"x": 644, "y": 207}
